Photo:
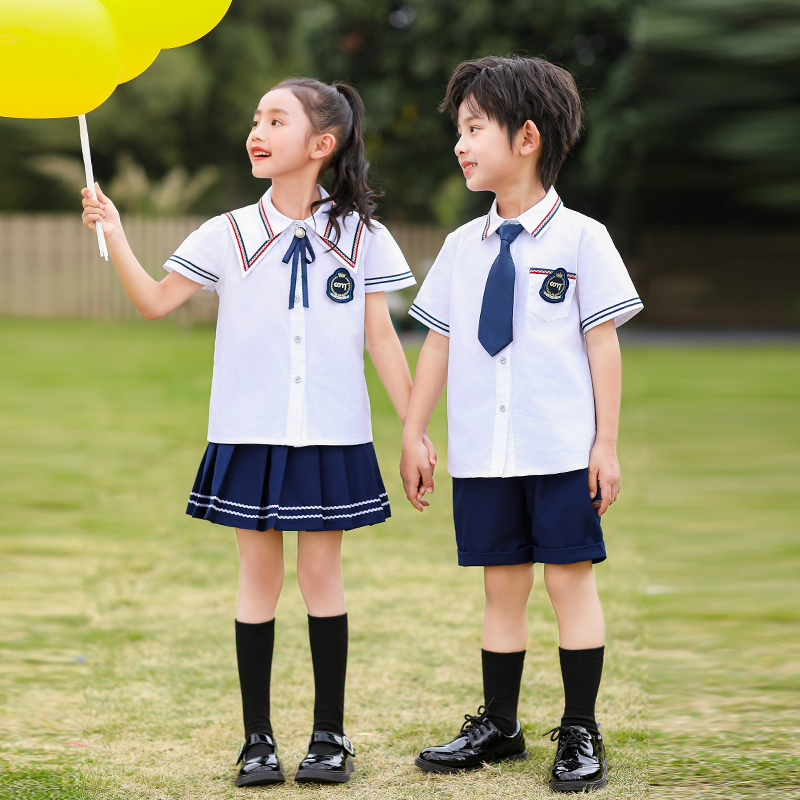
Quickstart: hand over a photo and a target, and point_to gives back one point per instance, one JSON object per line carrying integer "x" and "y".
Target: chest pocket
{"x": 550, "y": 292}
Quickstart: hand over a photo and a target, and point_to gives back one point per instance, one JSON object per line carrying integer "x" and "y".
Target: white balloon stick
{"x": 87, "y": 166}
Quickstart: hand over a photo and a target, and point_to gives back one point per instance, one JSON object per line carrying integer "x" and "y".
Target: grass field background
{"x": 117, "y": 667}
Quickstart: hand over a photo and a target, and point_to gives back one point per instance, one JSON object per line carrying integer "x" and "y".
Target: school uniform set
{"x": 289, "y": 433}
{"x": 516, "y": 298}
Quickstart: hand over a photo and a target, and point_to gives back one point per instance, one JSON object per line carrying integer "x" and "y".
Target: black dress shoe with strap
{"x": 480, "y": 742}
{"x": 327, "y": 768}
{"x": 580, "y": 764}
{"x": 260, "y": 769}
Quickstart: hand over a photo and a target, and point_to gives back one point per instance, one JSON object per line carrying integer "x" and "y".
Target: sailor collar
{"x": 535, "y": 220}
{"x": 255, "y": 229}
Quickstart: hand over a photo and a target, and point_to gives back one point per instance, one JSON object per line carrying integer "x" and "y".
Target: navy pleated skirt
{"x": 316, "y": 488}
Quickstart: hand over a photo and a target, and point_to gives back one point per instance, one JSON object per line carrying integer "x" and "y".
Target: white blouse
{"x": 291, "y": 377}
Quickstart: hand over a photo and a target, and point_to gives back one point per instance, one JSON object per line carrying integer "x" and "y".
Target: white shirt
{"x": 291, "y": 377}
{"x": 529, "y": 410}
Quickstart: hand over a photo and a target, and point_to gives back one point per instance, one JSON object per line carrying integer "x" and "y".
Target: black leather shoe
{"x": 333, "y": 768}
{"x": 259, "y": 769}
{"x": 580, "y": 763}
{"x": 480, "y": 742}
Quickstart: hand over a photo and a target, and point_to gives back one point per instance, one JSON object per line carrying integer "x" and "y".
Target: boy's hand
{"x": 603, "y": 473}
{"x": 101, "y": 209}
{"x": 416, "y": 469}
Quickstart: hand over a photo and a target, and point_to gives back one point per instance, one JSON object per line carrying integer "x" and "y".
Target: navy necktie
{"x": 496, "y": 326}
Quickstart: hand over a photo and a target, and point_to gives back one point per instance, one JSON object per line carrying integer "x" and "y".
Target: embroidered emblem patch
{"x": 554, "y": 287}
{"x": 340, "y": 286}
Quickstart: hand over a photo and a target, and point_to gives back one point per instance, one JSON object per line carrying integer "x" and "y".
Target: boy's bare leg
{"x": 581, "y": 633}
{"x": 573, "y": 593}
{"x": 580, "y": 761}
{"x": 505, "y": 637}
{"x": 505, "y": 617}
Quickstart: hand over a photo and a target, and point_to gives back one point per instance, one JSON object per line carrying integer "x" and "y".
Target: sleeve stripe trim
{"x": 611, "y": 312}
{"x": 375, "y": 281}
{"x": 194, "y": 268}
{"x": 426, "y": 322}
{"x": 427, "y": 319}
{"x": 605, "y": 310}
{"x": 398, "y": 275}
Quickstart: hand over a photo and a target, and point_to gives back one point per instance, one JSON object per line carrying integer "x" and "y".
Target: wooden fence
{"x": 49, "y": 265}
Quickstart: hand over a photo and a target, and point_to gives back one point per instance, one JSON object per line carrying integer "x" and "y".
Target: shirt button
{"x": 298, "y": 339}
{"x": 502, "y": 408}
{"x": 297, "y": 298}
{"x": 502, "y": 359}
{"x": 298, "y": 379}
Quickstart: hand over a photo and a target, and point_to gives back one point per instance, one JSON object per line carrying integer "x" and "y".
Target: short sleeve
{"x": 385, "y": 266}
{"x": 201, "y": 256}
{"x": 605, "y": 290}
{"x": 432, "y": 304}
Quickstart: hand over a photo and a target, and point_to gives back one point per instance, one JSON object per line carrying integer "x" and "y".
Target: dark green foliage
{"x": 690, "y": 106}
{"x": 721, "y": 97}
{"x": 401, "y": 58}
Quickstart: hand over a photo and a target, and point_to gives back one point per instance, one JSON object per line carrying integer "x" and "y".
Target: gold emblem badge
{"x": 554, "y": 286}
{"x": 340, "y": 286}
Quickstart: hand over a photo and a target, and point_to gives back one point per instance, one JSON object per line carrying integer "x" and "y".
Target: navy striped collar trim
{"x": 256, "y": 228}
{"x": 536, "y": 220}
{"x": 248, "y": 260}
{"x": 349, "y": 259}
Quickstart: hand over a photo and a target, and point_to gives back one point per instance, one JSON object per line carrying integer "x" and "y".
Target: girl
{"x": 301, "y": 277}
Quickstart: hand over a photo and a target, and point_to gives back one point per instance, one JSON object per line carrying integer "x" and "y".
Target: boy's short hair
{"x": 514, "y": 89}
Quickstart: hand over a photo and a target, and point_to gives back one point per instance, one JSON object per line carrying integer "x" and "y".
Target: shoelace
{"x": 471, "y": 721}
{"x": 566, "y": 737}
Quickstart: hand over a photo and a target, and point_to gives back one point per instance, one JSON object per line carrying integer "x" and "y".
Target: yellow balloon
{"x": 146, "y": 26}
{"x": 137, "y": 24}
{"x": 184, "y": 21}
{"x": 165, "y": 23}
{"x": 137, "y": 58}
{"x": 58, "y": 58}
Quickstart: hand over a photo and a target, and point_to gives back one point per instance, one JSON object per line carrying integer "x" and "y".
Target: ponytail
{"x": 338, "y": 108}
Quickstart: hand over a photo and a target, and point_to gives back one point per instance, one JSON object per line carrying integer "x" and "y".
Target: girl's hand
{"x": 603, "y": 472}
{"x": 432, "y": 457}
{"x": 416, "y": 470}
{"x": 100, "y": 209}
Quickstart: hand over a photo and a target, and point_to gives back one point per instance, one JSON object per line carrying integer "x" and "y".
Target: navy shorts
{"x": 544, "y": 518}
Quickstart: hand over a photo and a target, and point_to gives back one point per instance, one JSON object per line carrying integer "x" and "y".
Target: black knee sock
{"x": 328, "y": 637}
{"x": 502, "y": 675}
{"x": 581, "y": 671}
{"x": 254, "y": 643}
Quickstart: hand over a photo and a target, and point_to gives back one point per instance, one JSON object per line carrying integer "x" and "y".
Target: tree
{"x": 400, "y": 57}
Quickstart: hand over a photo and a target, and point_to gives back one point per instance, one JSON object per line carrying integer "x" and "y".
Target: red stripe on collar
{"x": 550, "y": 214}
{"x": 350, "y": 260}
{"x": 265, "y": 218}
{"x": 248, "y": 262}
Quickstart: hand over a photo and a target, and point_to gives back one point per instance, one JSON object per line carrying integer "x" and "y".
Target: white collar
{"x": 535, "y": 220}
{"x": 256, "y": 228}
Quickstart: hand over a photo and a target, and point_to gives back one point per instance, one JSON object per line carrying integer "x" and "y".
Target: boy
{"x": 522, "y": 307}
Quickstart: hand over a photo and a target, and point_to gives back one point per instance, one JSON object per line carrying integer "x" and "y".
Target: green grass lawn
{"x": 721, "y": 544}
{"x": 117, "y": 666}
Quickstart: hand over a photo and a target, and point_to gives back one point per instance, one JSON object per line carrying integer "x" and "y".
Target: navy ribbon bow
{"x": 299, "y": 251}
{"x": 496, "y": 324}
